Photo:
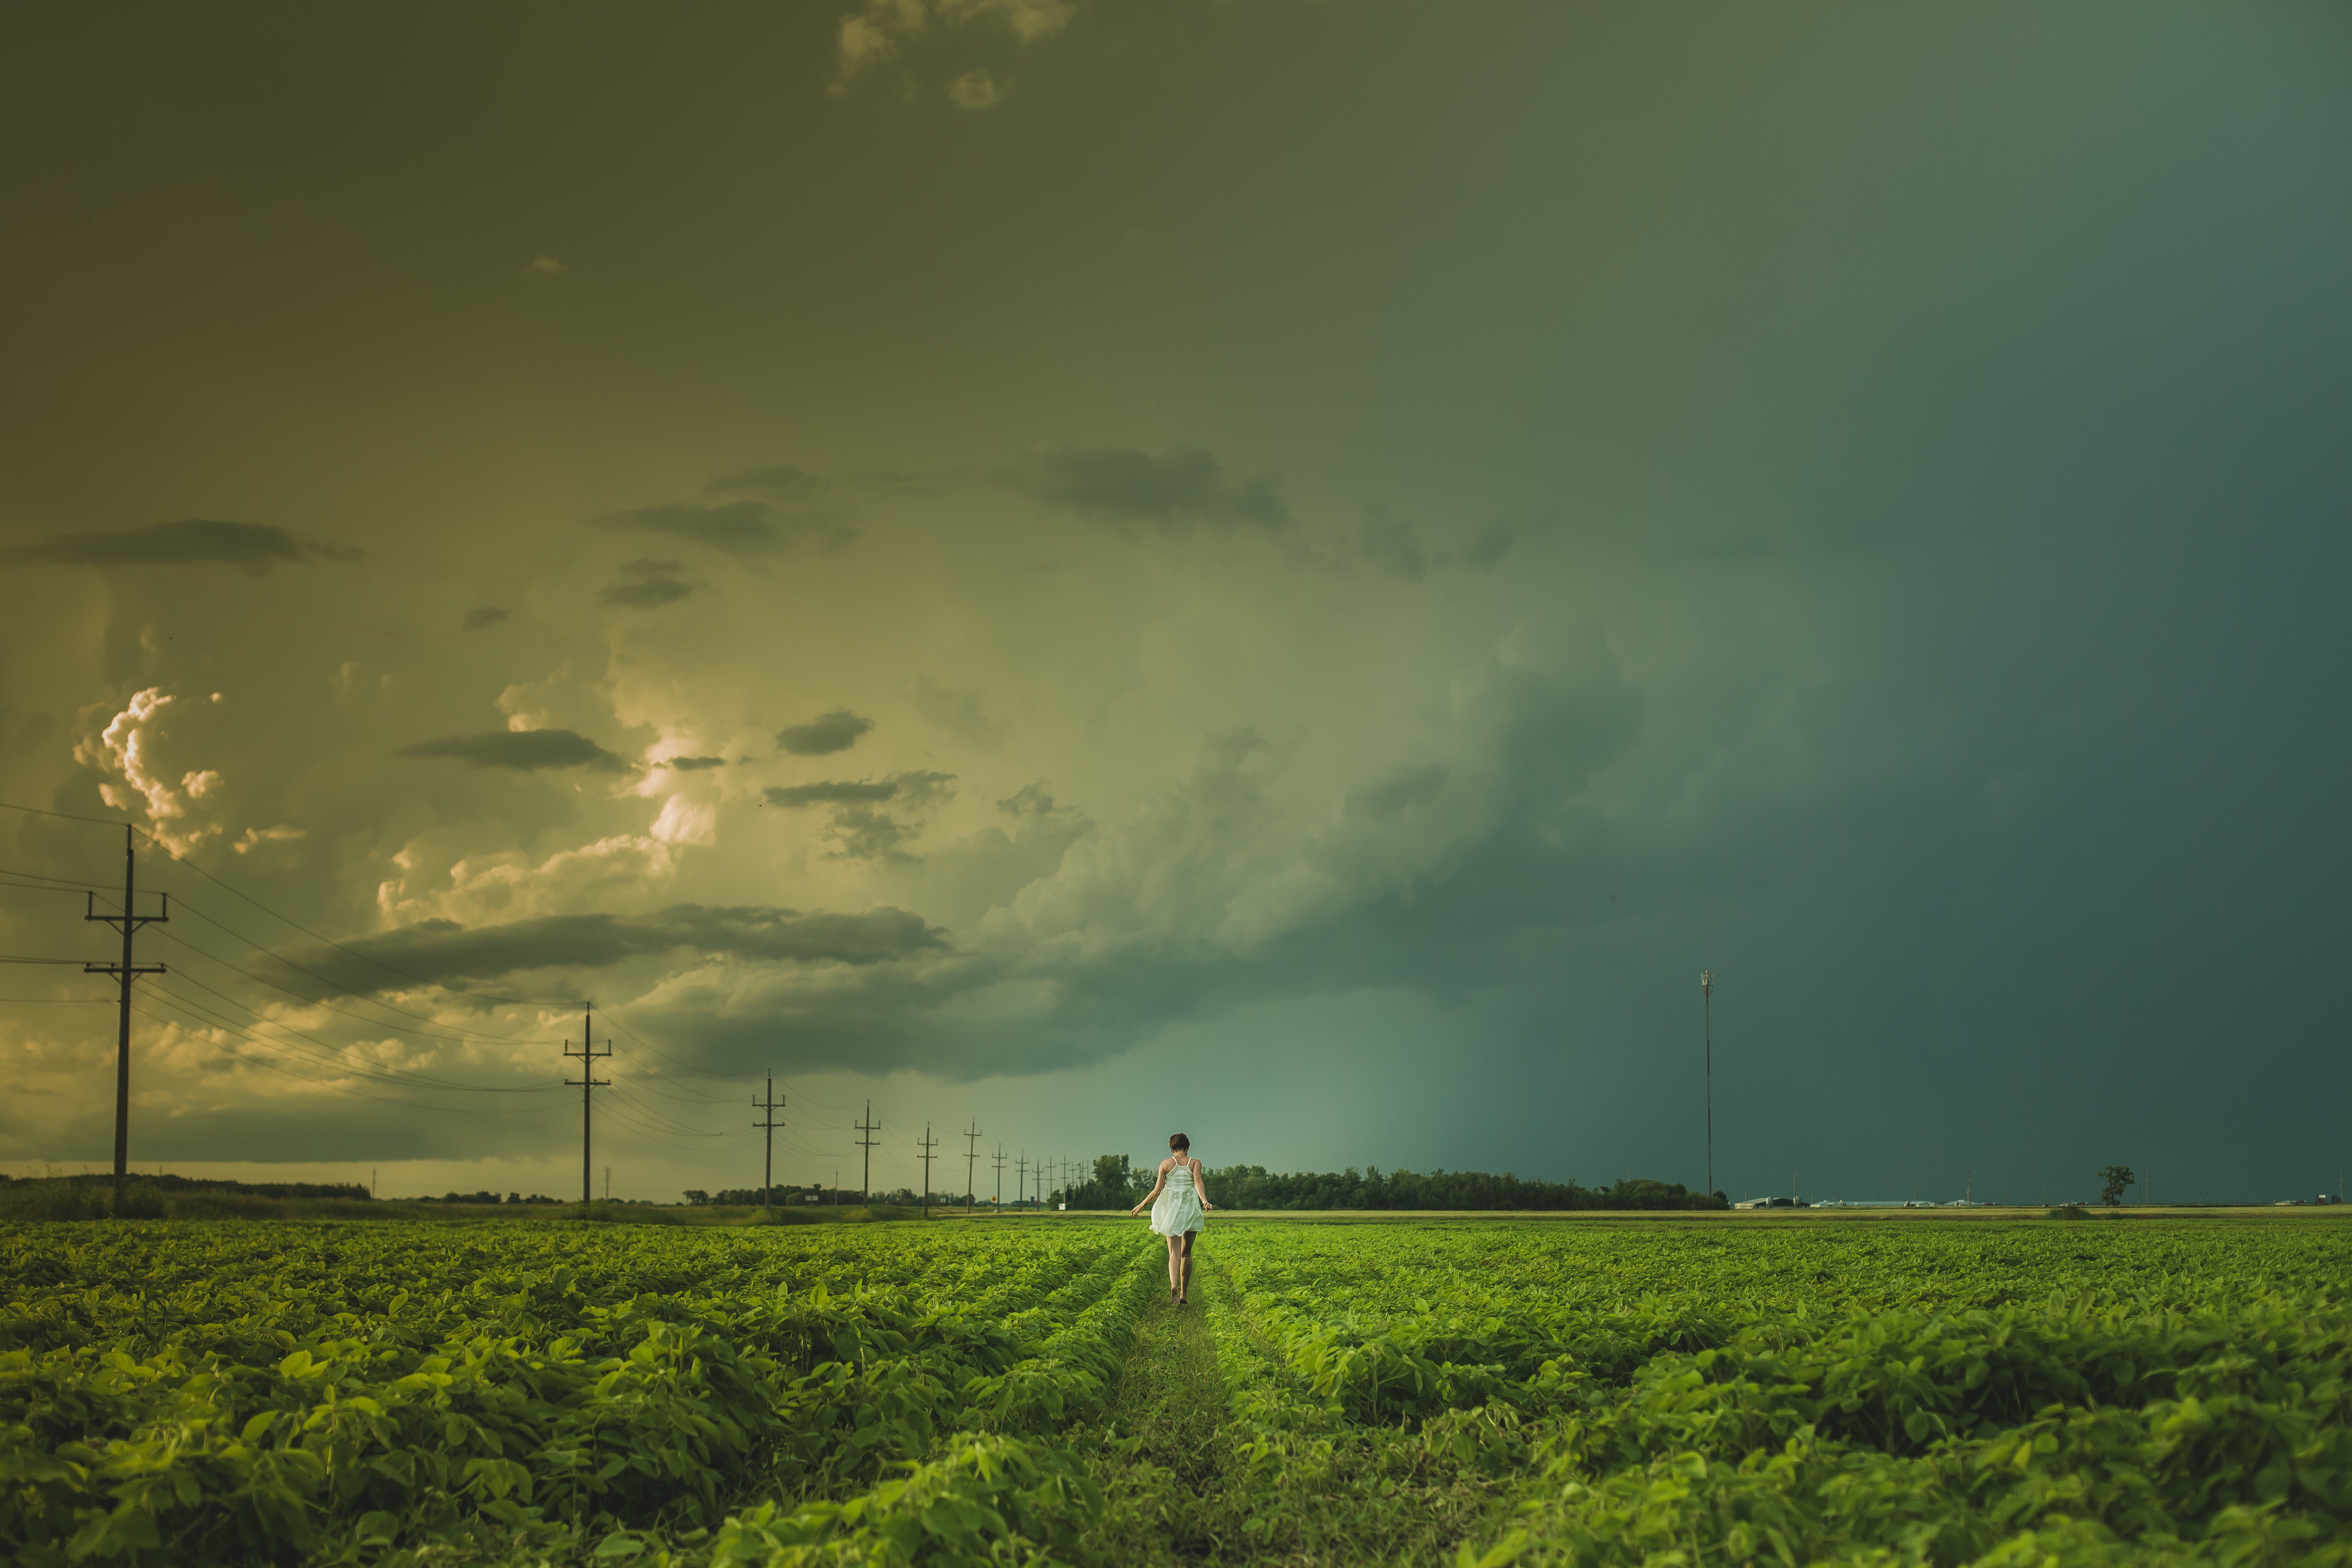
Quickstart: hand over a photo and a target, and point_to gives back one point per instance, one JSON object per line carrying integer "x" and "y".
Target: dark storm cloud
{"x": 252, "y": 547}
{"x": 439, "y": 950}
{"x": 1438, "y": 875}
{"x": 860, "y": 829}
{"x": 783, "y": 481}
{"x": 486, "y": 616}
{"x": 1126, "y": 489}
{"x": 649, "y": 595}
{"x": 693, "y": 764}
{"x": 911, "y": 787}
{"x": 746, "y": 528}
{"x": 824, "y": 734}
{"x": 524, "y": 751}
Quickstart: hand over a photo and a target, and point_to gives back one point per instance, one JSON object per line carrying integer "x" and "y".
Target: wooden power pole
{"x": 865, "y": 1141}
{"x": 970, "y": 1165}
{"x": 588, "y": 1084}
{"x": 768, "y": 1165}
{"x": 128, "y": 922}
{"x": 926, "y": 1143}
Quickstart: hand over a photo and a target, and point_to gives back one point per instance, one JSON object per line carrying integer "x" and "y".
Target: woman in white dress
{"x": 1176, "y": 1200}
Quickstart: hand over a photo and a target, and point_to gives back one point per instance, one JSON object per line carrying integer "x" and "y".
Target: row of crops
{"x": 276, "y": 1394}
{"x": 1787, "y": 1393}
{"x": 1485, "y": 1392}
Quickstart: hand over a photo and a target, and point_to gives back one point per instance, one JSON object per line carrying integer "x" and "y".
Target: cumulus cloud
{"x": 439, "y": 951}
{"x": 824, "y": 734}
{"x": 1170, "y": 494}
{"x": 125, "y": 748}
{"x": 485, "y": 616}
{"x": 523, "y": 751}
{"x": 130, "y": 750}
{"x": 746, "y": 529}
{"x": 976, "y": 89}
{"x": 251, "y": 547}
{"x": 880, "y": 30}
{"x": 254, "y": 838}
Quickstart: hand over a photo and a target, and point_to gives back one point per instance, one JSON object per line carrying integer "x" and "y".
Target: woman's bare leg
{"x": 1184, "y": 1290}
{"x": 1175, "y": 1267}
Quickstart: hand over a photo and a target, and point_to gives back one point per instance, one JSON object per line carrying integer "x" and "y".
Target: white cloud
{"x": 976, "y": 89}
{"x": 880, "y": 31}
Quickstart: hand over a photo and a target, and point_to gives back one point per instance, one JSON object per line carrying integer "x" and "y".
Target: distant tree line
{"x": 176, "y": 1184}
{"x": 1118, "y": 1184}
{"x": 751, "y": 1197}
{"x": 486, "y": 1198}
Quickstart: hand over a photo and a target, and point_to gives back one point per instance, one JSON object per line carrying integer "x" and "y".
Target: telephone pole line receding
{"x": 128, "y": 922}
{"x": 926, "y": 1143}
{"x": 999, "y": 1179}
{"x": 971, "y": 1163}
{"x": 866, "y": 1141}
{"x": 588, "y": 1084}
{"x": 768, "y": 1165}
{"x": 1021, "y": 1179}
{"x": 1706, "y": 1008}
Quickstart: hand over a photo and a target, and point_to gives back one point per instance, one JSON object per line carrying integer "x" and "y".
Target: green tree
{"x": 2116, "y": 1177}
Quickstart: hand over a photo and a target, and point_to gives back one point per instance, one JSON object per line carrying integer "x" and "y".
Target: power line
{"x": 1000, "y": 1178}
{"x": 335, "y": 984}
{"x": 412, "y": 1079}
{"x": 179, "y": 859}
{"x": 276, "y": 1024}
{"x": 319, "y": 1083}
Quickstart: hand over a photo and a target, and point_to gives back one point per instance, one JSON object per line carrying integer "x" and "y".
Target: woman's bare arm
{"x": 1154, "y": 1192}
{"x": 1198, "y": 1188}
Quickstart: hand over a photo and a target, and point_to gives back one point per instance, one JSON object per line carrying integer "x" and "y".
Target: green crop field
{"x": 1459, "y": 1391}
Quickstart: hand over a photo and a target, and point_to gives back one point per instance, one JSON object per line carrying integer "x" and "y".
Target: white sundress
{"x": 1178, "y": 1207}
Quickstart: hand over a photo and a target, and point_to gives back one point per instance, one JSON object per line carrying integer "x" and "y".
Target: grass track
{"x": 1202, "y": 1472}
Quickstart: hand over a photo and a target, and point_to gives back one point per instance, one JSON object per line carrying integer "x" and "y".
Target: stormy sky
{"x": 1291, "y": 571}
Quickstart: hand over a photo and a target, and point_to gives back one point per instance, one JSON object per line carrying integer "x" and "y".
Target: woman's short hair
{"x": 1179, "y": 1141}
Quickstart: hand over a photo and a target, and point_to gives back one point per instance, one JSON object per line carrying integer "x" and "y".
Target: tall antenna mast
{"x": 1707, "y": 1009}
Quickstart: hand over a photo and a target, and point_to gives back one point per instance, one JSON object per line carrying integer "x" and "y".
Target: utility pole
{"x": 970, "y": 1162}
{"x": 866, "y": 1141}
{"x": 768, "y": 1165}
{"x": 1021, "y": 1179}
{"x": 1707, "y": 1014}
{"x": 926, "y": 1143}
{"x": 128, "y": 922}
{"x": 588, "y": 1083}
{"x": 999, "y": 1179}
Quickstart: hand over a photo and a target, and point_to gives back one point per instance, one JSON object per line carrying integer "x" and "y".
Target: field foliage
{"x": 1659, "y": 1391}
